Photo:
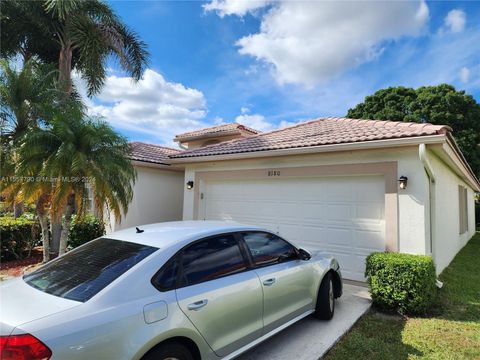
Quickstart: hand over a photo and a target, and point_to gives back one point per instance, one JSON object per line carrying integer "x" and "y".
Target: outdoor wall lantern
{"x": 190, "y": 185}
{"x": 403, "y": 182}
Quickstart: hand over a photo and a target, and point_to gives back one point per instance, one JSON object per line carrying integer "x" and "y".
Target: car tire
{"x": 169, "y": 351}
{"x": 325, "y": 307}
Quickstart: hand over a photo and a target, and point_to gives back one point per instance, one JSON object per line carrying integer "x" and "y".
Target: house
{"x": 345, "y": 186}
{"x": 157, "y": 192}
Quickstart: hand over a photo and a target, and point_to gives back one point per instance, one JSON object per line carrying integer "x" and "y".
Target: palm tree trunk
{"x": 65, "y": 68}
{"x": 66, "y": 225}
{"x": 17, "y": 209}
{"x": 43, "y": 220}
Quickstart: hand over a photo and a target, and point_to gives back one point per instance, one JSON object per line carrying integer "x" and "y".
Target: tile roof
{"x": 322, "y": 131}
{"x": 216, "y": 130}
{"x": 151, "y": 153}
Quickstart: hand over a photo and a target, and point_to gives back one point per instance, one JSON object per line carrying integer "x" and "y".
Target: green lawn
{"x": 452, "y": 331}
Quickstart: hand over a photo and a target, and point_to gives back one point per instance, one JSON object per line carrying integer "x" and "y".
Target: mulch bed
{"x": 14, "y": 268}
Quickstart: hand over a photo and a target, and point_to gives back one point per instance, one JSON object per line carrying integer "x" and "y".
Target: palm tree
{"x": 27, "y": 96}
{"x": 73, "y": 153}
{"x": 83, "y": 34}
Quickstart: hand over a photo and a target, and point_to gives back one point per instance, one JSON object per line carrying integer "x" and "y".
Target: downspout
{"x": 422, "y": 154}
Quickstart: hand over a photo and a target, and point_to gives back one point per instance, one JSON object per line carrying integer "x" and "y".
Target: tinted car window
{"x": 210, "y": 259}
{"x": 268, "y": 248}
{"x": 166, "y": 278}
{"x": 83, "y": 272}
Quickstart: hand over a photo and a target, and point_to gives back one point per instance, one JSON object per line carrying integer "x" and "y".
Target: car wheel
{"x": 325, "y": 307}
{"x": 169, "y": 351}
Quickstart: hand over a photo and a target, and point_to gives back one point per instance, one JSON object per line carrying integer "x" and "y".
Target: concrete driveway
{"x": 310, "y": 338}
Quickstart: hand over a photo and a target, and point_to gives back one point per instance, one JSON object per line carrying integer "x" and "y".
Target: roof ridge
{"x": 209, "y": 128}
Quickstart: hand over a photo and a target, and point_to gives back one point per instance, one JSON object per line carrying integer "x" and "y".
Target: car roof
{"x": 166, "y": 234}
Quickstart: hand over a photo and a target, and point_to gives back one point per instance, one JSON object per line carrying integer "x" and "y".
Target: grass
{"x": 452, "y": 331}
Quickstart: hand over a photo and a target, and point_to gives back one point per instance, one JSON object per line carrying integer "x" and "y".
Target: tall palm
{"x": 84, "y": 34}
{"x": 79, "y": 152}
{"x": 27, "y": 96}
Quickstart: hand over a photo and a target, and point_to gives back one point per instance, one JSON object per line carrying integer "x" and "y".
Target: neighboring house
{"x": 345, "y": 186}
{"x": 158, "y": 190}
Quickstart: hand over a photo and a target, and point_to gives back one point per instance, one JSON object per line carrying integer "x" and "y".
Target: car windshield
{"x": 83, "y": 272}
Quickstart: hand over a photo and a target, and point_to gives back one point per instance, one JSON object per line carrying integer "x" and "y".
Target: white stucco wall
{"x": 158, "y": 197}
{"x": 447, "y": 239}
{"x": 413, "y": 235}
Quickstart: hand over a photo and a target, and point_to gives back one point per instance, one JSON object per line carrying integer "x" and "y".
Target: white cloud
{"x": 312, "y": 41}
{"x": 259, "y": 122}
{"x": 151, "y": 106}
{"x": 234, "y": 7}
{"x": 464, "y": 74}
{"x": 455, "y": 20}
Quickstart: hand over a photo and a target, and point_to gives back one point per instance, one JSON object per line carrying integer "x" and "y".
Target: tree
{"x": 71, "y": 154}
{"x": 82, "y": 33}
{"x": 26, "y": 97}
{"x": 441, "y": 104}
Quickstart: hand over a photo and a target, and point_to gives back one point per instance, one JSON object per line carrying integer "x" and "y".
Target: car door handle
{"x": 269, "y": 282}
{"x": 197, "y": 304}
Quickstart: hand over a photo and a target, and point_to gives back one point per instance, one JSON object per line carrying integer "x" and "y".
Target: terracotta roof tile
{"x": 322, "y": 131}
{"x": 151, "y": 153}
{"x": 218, "y": 129}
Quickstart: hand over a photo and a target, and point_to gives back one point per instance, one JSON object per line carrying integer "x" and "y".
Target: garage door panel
{"x": 340, "y": 215}
{"x": 339, "y": 212}
{"x": 369, "y": 240}
{"x": 369, "y": 211}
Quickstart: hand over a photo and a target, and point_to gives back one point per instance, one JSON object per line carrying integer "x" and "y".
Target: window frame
{"x": 251, "y": 257}
{"x": 178, "y": 256}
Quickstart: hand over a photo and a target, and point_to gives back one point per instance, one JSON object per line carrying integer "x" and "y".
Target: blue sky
{"x": 269, "y": 64}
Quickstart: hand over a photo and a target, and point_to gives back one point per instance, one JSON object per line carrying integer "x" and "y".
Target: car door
{"x": 287, "y": 281}
{"x": 220, "y": 293}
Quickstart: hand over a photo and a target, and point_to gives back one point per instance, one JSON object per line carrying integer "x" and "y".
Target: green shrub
{"x": 18, "y": 236}
{"x": 401, "y": 282}
{"x": 83, "y": 229}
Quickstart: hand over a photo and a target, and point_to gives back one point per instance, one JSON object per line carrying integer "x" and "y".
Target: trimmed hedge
{"x": 84, "y": 229}
{"x": 401, "y": 282}
{"x": 18, "y": 236}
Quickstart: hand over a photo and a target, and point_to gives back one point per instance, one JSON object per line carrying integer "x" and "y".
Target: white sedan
{"x": 180, "y": 290}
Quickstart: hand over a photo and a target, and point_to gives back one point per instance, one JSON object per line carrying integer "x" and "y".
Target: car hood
{"x": 20, "y": 303}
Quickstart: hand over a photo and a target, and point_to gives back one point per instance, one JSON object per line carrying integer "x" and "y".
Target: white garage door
{"x": 341, "y": 215}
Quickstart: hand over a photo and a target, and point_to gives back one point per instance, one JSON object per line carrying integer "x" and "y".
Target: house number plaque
{"x": 273, "y": 173}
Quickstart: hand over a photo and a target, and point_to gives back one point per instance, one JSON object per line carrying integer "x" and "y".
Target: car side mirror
{"x": 304, "y": 254}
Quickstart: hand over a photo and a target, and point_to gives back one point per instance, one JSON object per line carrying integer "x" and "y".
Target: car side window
{"x": 268, "y": 248}
{"x": 210, "y": 259}
{"x": 166, "y": 278}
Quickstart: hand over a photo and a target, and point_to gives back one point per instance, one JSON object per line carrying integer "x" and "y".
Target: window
{"x": 165, "y": 279}
{"x": 83, "y": 272}
{"x": 210, "y": 259}
{"x": 463, "y": 208}
{"x": 268, "y": 248}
